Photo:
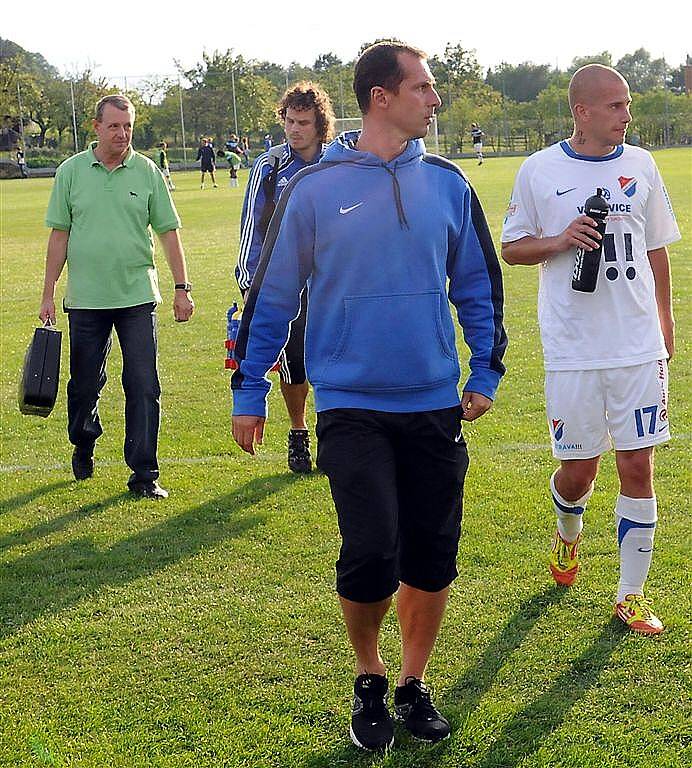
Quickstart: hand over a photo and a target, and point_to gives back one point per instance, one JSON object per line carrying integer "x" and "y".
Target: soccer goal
{"x": 342, "y": 124}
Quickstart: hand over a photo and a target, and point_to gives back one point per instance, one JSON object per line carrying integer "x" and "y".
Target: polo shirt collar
{"x": 95, "y": 161}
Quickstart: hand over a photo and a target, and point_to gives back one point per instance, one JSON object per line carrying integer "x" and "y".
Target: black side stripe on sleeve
{"x": 492, "y": 263}
{"x": 265, "y": 257}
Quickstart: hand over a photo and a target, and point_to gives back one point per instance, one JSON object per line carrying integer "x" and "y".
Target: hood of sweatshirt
{"x": 343, "y": 150}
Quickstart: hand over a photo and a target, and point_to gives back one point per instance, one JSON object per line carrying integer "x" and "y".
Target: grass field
{"x": 203, "y": 631}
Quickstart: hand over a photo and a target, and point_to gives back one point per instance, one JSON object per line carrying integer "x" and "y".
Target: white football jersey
{"x": 618, "y": 324}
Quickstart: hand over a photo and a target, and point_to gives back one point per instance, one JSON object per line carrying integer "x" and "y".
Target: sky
{"x": 128, "y": 39}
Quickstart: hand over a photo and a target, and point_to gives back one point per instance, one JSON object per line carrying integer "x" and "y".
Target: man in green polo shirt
{"x": 104, "y": 205}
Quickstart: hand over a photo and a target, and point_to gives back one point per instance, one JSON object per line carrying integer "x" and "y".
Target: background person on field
{"x": 605, "y": 352}
{"x": 21, "y": 162}
{"x": 234, "y": 161}
{"x": 163, "y": 164}
{"x": 205, "y": 154}
{"x": 306, "y": 114}
{"x": 382, "y": 265}
{"x": 103, "y": 206}
{"x": 245, "y": 150}
{"x": 477, "y": 141}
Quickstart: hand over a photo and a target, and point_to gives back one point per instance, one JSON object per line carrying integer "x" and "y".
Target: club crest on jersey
{"x": 558, "y": 428}
{"x": 628, "y": 185}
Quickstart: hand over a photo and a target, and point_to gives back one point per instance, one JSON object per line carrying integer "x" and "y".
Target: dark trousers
{"x": 397, "y": 480}
{"x": 90, "y": 343}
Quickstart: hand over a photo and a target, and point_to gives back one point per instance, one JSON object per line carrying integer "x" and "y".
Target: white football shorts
{"x": 587, "y": 410}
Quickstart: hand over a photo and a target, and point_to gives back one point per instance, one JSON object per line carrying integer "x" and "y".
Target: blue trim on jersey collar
{"x": 590, "y": 158}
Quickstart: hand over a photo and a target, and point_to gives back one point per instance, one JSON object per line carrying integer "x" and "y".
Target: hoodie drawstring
{"x": 397, "y": 198}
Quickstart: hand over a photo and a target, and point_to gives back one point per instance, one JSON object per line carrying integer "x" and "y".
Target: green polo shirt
{"x": 110, "y": 216}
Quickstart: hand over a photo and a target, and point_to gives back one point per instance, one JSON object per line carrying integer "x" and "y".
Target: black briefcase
{"x": 38, "y": 387}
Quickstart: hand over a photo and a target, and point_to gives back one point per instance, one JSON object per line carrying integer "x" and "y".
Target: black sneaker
{"x": 82, "y": 463}
{"x": 299, "y": 459}
{"x": 371, "y": 724}
{"x": 414, "y": 708}
{"x": 148, "y": 489}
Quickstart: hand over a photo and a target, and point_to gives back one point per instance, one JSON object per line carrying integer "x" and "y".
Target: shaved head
{"x": 589, "y": 82}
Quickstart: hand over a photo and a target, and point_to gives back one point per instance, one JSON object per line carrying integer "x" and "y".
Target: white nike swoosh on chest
{"x": 343, "y": 210}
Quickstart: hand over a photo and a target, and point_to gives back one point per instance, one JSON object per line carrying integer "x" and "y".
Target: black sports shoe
{"x": 371, "y": 724}
{"x": 299, "y": 459}
{"x": 148, "y": 489}
{"x": 82, "y": 463}
{"x": 414, "y": 708}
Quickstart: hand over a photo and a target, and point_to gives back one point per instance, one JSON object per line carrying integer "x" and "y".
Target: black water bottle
{"x": 587, "y": 263}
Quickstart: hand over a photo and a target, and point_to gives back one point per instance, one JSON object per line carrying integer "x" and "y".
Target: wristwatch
{"x": 183, "y": 287}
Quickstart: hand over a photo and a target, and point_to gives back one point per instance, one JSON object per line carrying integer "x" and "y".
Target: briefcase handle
{"x": 49, "y": 325}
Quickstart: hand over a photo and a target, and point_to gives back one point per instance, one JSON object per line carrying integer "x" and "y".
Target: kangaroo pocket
{"x": 391, "y": 342}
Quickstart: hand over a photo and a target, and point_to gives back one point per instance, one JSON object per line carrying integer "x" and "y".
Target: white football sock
{"x": 569, "y": 513}
{"x": 636, "y": 525}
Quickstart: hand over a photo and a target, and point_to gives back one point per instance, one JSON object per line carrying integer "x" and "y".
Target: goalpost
{"x": 342, "y": 124}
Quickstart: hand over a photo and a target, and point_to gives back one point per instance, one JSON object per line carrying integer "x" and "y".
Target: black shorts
{"x": 292, "y": 358}
{"x": 397, "y": 481}
{"x": 208, "y": 167}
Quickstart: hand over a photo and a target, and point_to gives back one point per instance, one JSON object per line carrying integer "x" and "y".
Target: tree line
{"x": 520, "y": 107}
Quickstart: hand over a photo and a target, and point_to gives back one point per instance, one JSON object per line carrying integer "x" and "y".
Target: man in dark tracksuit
{"x": 205, "y": 154}
{"x": 308, "y": 119}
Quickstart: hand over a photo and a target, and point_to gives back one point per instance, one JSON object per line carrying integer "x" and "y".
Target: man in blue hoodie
{"x": 383, "y": 234}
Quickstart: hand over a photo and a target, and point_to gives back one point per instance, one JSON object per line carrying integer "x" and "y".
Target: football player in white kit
{"x": 605, "y": 352}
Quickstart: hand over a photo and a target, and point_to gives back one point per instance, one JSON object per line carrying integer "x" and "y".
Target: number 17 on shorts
{"x": 588, "y": 411}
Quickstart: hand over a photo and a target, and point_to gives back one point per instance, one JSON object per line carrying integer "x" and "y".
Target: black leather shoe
{"x": 148, "y": 489}
{"x": 82, "y": 463}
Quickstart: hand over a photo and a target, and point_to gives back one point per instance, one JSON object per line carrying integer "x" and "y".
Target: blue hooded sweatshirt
{"x": 381, "y": 246}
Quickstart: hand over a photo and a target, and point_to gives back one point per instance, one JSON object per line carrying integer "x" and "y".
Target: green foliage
{"x": 641, "y": 71}
{"x": 203, "y": 631}
{"x": 605, "y": 58}
{"x": 209, "y": 103}
{"x": 659, "y": 117}
{"x": 518, "y": 106}
{"x": 522, "y": 82}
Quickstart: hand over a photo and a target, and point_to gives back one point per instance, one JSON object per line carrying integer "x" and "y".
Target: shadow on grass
{"x": 524, "y": 733}
{"x": 27, "y": 535}
{"x": 464, "y": 695}
{"x": 57, "y": 577}
{"x": 24, "y": 498}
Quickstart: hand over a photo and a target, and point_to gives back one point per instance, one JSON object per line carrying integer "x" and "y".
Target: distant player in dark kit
{"x": 21, "y": 162}
{"x": 205, "y": 154}
{"x": 163, "y": 165}
{"x": 477, "y": 140}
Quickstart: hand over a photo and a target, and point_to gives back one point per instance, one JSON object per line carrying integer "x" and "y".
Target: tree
{"x": 325, "y": 62}
{"x": 522, "y": 82}
{"x": 478, "y": 103}
{"x": 641, "y": 72}
{"x": 88, "y": 89}
{"x": 209, "y": 102}
{"x": 552, "y": 114}
{"x": 24, "y": 79}
{"x": 661, "y": 117}
{"x": 604, "y": 57}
